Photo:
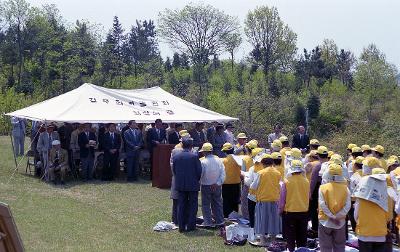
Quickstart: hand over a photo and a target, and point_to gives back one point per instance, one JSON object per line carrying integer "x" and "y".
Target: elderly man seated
{"x": 58, "y": 160}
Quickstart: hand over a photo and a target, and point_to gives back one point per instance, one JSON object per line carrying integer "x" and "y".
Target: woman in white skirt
{"x": 266, "y": 184}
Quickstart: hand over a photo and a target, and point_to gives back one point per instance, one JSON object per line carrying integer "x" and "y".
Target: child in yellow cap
{"x": 248, "y": 180}
{"x": 378, "y": 152}
{"x": 293, "y": 206}
{"x": 315, "y": 183}
{"x": 371, "y": 210}
{"x": 231, "y": 186}
{"x": 354, "y": 180}
{"x": 334, "y": 203}
{"x": 266, "y": 184}
{"x": 276, "y": 156}
{"x": 311, "y": 164}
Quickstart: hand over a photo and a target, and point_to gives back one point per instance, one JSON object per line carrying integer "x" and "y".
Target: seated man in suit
{"x": 111, "y": 146}
{"x": 301, "y": 139}
{"x": 154, "y": 137}
{"x": 58, "y": 162}
{"x": 198, "y": 135}
{"x": 133, "y": 143}
{"x": 87, "y": 141}
{"x": 173, "y": 136}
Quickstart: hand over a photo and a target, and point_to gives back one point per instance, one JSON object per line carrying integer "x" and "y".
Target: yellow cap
{"x": 378, "y": 171}
{"x": 183, "y": 133}
{"x": 265, "y": 156}
{"x": 351, "y": 146}
{"x": 256, "y": 151}
{"x": 379, "y": 148}
{"x": 314, "y": 142}
{"x": 276, "y": 144}
{"x": 296, "y": 166}
{"x": 283, "y": 139}
{"x": 206, "y": 147}
{"x": 335, "y": 170}
{"x": 365, "y": 147}
{"x": 337, "y": 159}
{"x": 241, "y": 136}
{"x": 356, "y": 149}
{"x": 276, "y": 155}
{"x": 296, "y": 153}
{"x": 359, "y": 160}
{"x": 322, "y": 150}
{"x": 391, "y": 161}
{"x": 252, "y": 144}
{"x": 394, "y": 157}
{"x": 371, "y": 162}
{"x": 227, "y": 146}
{"x": 330, "y": 153}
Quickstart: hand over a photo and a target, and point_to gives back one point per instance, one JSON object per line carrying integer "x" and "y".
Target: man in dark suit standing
{"x": 133, "y": 143}
{"x": 173, "y": 137}
{"x": 301, "y": 139}
{"x": 187, "y": 173}
{"x": 111, "y": 146}
{"x": 87, "y": 142}
{"x": 154, "y": 137}
{"x": 198, "y": 135}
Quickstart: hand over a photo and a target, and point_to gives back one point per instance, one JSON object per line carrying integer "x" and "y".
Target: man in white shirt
{"x": 230, "y": 138}
{"x": 212, "y": 178}
{"x": 275, "y": 135}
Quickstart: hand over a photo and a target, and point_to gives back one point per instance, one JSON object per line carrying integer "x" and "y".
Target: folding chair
{"x": 30, "y": 162}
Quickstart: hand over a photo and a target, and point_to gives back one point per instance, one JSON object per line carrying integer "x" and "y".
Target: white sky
{"x": 352, "y": 24}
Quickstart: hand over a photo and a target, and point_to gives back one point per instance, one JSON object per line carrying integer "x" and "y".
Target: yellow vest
{"x": 268, "y": 188}
{"x": 240, "y": 153}
{"x": 372, "y": 219}
{"x": 335, "y": 195}
{"x": 283, "y": 153}
{"x": 248, "y": 161}
{"x": 313, "y": 164}
{"x": 232, "y": 170}
{"x": 257, "y": 167}
{"x": 383, "y": 163}
{"x": 297, "y": 193}
{"x": 281, "y": 170}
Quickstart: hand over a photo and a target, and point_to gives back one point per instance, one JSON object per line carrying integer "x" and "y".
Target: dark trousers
{"x": 132, "y": 164}
{"x": 371, "y": 246}
{"x": 87, "y": 167}
{"x": 187, "y": 210}
{"x": 251, "y": 205}
{"x": 230, "y": 198}
{"x": 175, "y": 211}
{"x": 351, "y": 217}
{"x": 313, "y": 208}
{"x": 110, "y": 165}
{"x": 295, "y": 229}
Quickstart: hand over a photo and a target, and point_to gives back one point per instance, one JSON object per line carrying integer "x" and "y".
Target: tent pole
{"x": 13, "y": 151}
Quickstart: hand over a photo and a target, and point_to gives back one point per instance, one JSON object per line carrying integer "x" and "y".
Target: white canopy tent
{"x": 94, "y": 104}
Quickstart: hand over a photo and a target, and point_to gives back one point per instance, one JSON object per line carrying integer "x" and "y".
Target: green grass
{"x": 94, "y": 217}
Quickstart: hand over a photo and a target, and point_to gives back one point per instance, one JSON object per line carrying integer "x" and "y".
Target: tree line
{"x": 341, "y": 94}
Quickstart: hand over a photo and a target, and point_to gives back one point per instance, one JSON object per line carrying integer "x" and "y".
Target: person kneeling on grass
{"x": 334, "y": 203}
{"x": 212, "y": 178}
{"x": 293, "y": 206}
{"x": 266, "y": 184}
{"x": 58, "y": 162}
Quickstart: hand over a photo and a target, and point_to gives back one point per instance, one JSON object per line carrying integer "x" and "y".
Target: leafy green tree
{"x": 232, "y": 43}
{"x": 345, "y": 66}
{"x": 274, "y": 42}
{"x": 176, "y": 61}
{"x": 168, "y": 65}
{"x": 375, "y": 79}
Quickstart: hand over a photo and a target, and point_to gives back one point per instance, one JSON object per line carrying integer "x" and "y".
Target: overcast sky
{"x": 353, "y": 24}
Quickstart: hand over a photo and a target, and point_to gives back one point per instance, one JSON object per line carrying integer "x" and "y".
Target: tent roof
{"x": 94, "y": 104}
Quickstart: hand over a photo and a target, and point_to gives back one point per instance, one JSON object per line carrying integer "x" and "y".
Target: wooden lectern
{"x": 162, "y": 174}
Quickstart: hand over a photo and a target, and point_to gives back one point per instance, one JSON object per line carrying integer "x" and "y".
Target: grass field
{"x": 112, "y": 216}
